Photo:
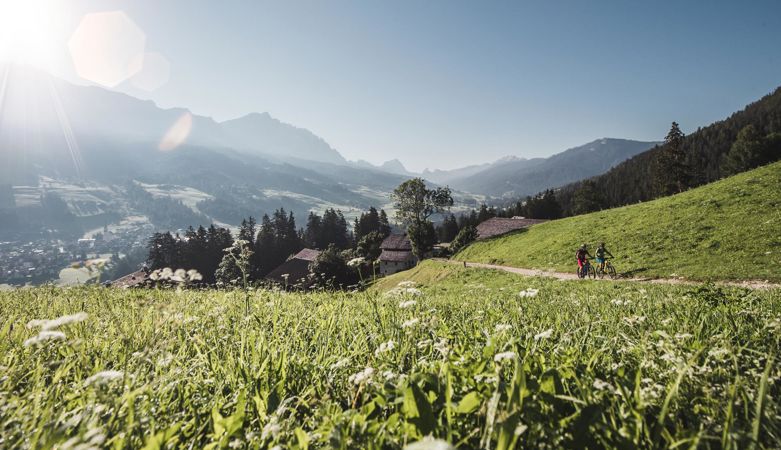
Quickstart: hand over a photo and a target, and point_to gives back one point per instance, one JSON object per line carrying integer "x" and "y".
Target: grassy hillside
{"x": 727, "y": 230}
{"x": 462, "y": 357}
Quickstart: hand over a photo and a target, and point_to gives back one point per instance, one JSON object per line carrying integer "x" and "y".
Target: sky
{"x": 443, "y": 83}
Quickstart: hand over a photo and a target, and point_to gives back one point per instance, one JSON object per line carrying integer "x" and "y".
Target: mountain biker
{"x": 601, "y": 252}
{"x": 582, "y": 255}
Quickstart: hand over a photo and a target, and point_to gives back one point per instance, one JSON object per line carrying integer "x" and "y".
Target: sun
{"x": 28, "y": 31}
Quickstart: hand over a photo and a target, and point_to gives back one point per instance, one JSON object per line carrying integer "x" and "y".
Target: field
{"x": 479, "y": 359}
{"x": 727, "y": 230}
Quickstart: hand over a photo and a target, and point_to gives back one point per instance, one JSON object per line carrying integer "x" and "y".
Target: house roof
{"x": 134, "y": 279}
{"x": 396, "y": 255}
{"x": 307, "y": 254}
{"x": 396, "y": 242}
{"x": 498, "y": 226}
{"x": 294, "y": 270}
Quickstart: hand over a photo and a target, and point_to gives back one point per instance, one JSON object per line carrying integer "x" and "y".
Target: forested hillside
{"x": 704, "y": 160}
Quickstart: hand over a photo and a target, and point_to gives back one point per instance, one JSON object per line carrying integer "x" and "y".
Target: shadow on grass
{"x": 632, "y": 273}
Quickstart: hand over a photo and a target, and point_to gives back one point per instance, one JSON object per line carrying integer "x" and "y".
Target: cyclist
{"x": 582, "y": 255}
{"x": 601, "y": 252}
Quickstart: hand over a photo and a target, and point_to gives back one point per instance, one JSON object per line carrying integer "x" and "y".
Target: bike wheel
{"x": 591, "y": 272}
{"x": 600, "y": 273}
{"x": 612, "y": 272}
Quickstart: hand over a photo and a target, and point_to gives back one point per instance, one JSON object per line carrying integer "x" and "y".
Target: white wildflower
{"x": 415, "y": 292}
{"x": 502, "y": 327}
{"x": 504, "y": 356}
{"x": 388, "y": 375}
{"x": 544, "y": 335}
{"x": 424, "y": 343}
{"x": 193, "y": 275}
{"x": 341, "y": 363}
{"x": 529, "y": 292}
{"x": 442, "y": 348}
{"x": 406, "y": 284}
{"x": 271, "y": 429}
{"x": 362, "y": 376}
{"x": 429, "y": 443}
{"x": 407, "y": 304}
{"x": 634, "y": 320}
{"x": 602, "y": 385}
{"x": 683, "y": 336}
{"x": 53, "y": 324}
{"x": 385, "y": 347}
{"x": 410, "y": 323}
{"x": 105, "y": 377}
{"x": 355, "y": 262}
{"x": 44, "y": 336}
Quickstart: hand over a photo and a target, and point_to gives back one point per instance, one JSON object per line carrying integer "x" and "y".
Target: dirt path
{"x": 573, "y": 276}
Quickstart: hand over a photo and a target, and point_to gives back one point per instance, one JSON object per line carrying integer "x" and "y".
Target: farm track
{"x": 753, "y": 284}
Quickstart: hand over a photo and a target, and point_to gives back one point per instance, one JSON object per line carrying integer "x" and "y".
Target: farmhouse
{"x": 498, "y": 226}
{"x": 294, "y": 271}
{"x": 135, "y": 279}
{"x": 396, "y": 254}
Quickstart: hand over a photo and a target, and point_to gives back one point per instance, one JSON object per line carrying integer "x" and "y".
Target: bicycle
{"x": 587, "y": 270}
{"x": 608, "y": 270}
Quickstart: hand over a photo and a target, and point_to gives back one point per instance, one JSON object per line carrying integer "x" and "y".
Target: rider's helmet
{"x": 584, "y": 246}
{"x": 601, "y": 244}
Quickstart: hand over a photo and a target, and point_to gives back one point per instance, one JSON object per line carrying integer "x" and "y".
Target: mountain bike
{"x": 587, "y": 270}
{"x": 608, "y": 270}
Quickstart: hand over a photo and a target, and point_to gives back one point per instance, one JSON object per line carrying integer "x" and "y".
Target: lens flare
{"x": 152, "y": 70}
{"x": 177, "y": 134}
{"x": 104, "y": 46}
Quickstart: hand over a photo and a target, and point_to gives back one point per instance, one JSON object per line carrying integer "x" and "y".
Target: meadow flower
{"x": 406, "y": 284}
{"x": 355, "y": 262}
{"x": 602, "y": 385}
{"x": 529, "y": 292}
{"x": 544, "y": 335}
{"x": 499, "y": 357}
{"x": 341, "y": 363}
{"x": 362, "y": 376}
{"x": 44, "y": 336}
{"x": 407, "y": 304}
{"x": 105, "y": 377}
{"x": 634, "y": 320}
{"x": 424, "y": 343}
{"x": 385, "y": 347}
{"x": 410, "y": 323}
{"x": 270, "y": 429}
{"x": 53, "y": 324}
{"x": 415, "y": 292}
{"x": 683, "y": 336}
{"x": 179, "y": 275}
{"x": 429, "y": 443}
{"x": 442, "y": 348}
{"x": 388, "y": 375}
{"x": 502, "y": 327}
{"x": 193, "y": 275}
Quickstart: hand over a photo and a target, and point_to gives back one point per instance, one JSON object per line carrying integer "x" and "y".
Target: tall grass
{"x": 466, "y": 360}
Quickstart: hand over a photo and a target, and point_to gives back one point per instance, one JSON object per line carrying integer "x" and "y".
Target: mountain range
{"x": 253, "y": 164}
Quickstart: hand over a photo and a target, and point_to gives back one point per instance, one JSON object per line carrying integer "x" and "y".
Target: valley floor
{"x": 477, "y": 358}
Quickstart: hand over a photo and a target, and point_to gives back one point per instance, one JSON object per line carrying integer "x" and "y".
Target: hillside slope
{"x": 728, "y": 230}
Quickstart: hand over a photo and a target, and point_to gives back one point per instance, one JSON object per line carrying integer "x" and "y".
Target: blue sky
{"x": 443, "y": 84}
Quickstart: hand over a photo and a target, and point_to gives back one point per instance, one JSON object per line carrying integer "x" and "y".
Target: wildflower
{"x": 529, "y": 292}
{"x": 44, "y": 336}
{"x": 388, "y": 375}
{"x": 341, "y": 363}
{"x": 502, "y": 327}
{"x": 271, "y": 429}
{"x": 47, "y": 325}
{"x": 415, "y": 292}
{"x": 499, "y": 357}
{"x": 406, "y": 284}
{"x": 429, "y": 443}
{"x": 424, "y": 343}
{"x": 410, "y": 323}
{"x": 683, "y": 336}
{"x": 442, "y": 348}
{"x": 193, "y": 275}
{"x": 179, "y": 276}
{"x": 602, "y": 385}
{"x": 544, "y": 335}
{"x": 355, "y": 262}
{"x": 362, "y": 376}
{"x": 385, "y": 347}
{"x": 634, "y": 320}
{"x": 407, "y": 304}
{"x": 105, "y": 377}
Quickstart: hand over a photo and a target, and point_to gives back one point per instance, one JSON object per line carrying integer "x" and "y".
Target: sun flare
{"x": 28, "y": 31}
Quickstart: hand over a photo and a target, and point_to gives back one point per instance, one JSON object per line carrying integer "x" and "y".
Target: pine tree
{"x": 672, "y": 171}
